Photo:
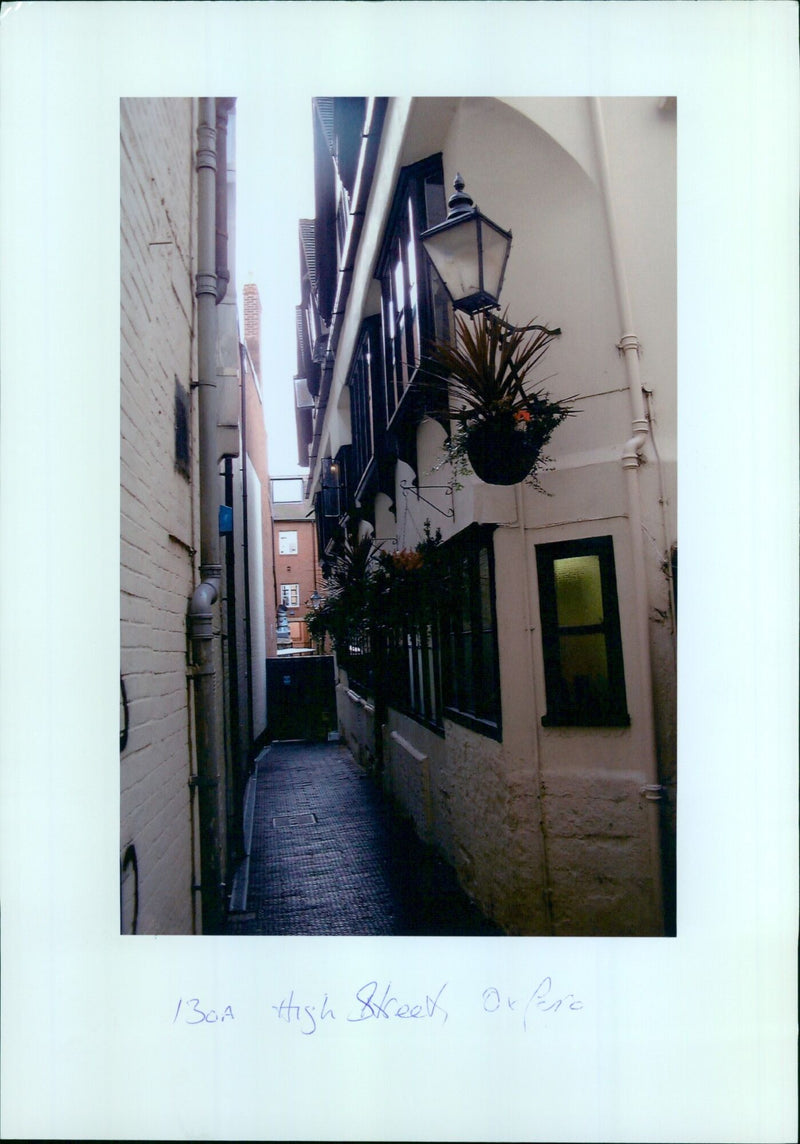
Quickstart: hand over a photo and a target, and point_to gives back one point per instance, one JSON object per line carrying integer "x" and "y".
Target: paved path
{"x": 330, "y": 857}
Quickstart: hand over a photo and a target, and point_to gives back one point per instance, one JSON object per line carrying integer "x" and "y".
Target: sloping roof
{"x": 324, "y": 108}
{"x": 308, "y": 245}
{"x": 299, "y": 511}
{"x": 302, "y": 397}
{"x": 303, "y": 348}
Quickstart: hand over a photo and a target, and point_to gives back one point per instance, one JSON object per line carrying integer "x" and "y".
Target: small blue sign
{"x": 225, "y": 520}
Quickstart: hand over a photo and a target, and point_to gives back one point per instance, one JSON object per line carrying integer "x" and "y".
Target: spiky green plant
{"x": 345, "y": 607}
{"x": 488, "y": 370}
{"x": 488, "y": 367}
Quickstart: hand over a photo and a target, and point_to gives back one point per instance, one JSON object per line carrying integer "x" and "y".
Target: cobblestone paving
{"x": 329, "y": 856}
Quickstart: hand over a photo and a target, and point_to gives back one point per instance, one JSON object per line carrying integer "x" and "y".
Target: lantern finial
{"x": 460, "y": 202}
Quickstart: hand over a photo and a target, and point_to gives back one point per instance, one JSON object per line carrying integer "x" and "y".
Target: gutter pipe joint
{"x": 631, "y": 453}
{"x": 201, "y": 615}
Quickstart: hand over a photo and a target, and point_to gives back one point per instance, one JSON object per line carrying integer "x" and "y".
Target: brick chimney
{"x": 252, "y": 324}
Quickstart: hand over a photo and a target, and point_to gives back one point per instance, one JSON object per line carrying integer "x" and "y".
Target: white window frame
{"x": 290, "y": 595}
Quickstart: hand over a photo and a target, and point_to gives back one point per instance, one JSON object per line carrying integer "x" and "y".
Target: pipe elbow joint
{"x": 203, "y": 597}
{"x": 223, "y": 281}
{"x": 201, "y": 613}
{"x": 631, "y": 453}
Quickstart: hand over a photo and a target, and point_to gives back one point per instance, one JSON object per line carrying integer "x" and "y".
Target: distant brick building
{"x": 297, "y": 571}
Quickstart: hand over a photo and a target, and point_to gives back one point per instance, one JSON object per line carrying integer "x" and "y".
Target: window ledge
{"x": 436, "y": 728}
{"x": 565, "y": 721}
{"x": 472, "y": 723}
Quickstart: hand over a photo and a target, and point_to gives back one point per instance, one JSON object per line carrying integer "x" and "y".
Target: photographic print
{"x": 362, "y": 365}
{"x": 423, "y": 681}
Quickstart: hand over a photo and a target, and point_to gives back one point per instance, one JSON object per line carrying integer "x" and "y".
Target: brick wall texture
{"x": 252, "y": 324}
{"x": 157, "y": 203}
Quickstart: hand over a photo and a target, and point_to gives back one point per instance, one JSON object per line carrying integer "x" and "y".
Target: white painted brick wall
{"x": 157, "y": 527}
{"x": 486, "y": 820}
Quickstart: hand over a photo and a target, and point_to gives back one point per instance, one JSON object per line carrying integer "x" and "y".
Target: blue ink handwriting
{"x": 542, "y": 999}
{"x": 378, "y": 1001}
{"x": 194, "y": 1015}
{"x": 391, "y": 1007}
{"x": 290, "y": 1012}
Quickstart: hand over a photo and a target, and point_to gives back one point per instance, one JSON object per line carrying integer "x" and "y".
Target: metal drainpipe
{"x": 547, "y": 890}
{"x": 248, "y": 633}
{"x": 223, "y": 109}
{"x": 234, "y": 702}
{"x": 628, "y": 346}
{"x": 201, "y": 607}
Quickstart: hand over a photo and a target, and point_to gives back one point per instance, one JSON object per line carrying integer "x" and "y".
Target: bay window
{"x": 413, "y": 300}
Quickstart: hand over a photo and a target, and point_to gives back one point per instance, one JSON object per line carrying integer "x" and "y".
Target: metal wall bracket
{"x": 197, "y": 781}
{"x": 408, "y": 487}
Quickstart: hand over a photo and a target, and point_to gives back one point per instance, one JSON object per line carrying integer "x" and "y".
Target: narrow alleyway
{"x": 330, "y": 856}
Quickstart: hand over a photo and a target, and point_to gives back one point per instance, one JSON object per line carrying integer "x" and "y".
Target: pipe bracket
{"x": 205, "y": 283}
{"x": 653, "y": 792}
{"x": 629, "y": 342}
{"x": 196, "y": 781}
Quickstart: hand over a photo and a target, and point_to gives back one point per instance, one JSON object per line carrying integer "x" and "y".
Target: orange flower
{"x": 522, "y": 415}
{"x": 407, "y": 559}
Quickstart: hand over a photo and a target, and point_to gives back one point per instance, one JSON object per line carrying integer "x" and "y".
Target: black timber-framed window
{"x": 330, "y": 502}
{"x": 413, "y": 667}
{"x": 441, "y": 659}
{"x": 414, "y": 306}
{"x": 469, "y": 633}
{"x": 581, "y": 640}
{"x": 367, "y": 409}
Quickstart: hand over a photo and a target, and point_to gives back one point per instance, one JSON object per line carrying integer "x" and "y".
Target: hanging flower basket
{"x": 502, "y": 424}
{"x": 502, "y": 453}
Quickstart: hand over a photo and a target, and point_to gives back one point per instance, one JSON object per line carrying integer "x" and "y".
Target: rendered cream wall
{"x": 551, "y": 809}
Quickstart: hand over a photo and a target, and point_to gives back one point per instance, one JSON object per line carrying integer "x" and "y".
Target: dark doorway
{"x": 301, "y": 697}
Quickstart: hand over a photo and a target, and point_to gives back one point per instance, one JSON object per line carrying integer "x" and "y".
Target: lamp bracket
{"x": 412, "y": 487}
{"x": 524, "y": 329}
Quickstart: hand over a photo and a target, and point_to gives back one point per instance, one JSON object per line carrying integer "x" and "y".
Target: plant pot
{"x": 501, "y": 454}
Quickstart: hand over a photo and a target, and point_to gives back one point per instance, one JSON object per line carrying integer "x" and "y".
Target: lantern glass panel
{"x": 454, "y": 253}
{"x": 495, "y": 245}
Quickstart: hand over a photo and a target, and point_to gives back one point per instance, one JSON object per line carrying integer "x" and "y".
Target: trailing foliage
{"x": 344, "y": 613}
{"x": 409, "y": 584}
{"x": 371, "y": 594}
{"x": 493, "y": 398}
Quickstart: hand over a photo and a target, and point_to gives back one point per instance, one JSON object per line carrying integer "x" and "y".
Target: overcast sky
{"x": 274, "y": 189}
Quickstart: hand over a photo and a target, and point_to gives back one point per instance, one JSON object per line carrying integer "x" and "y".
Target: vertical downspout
{"x": 239, "y": 769}
{"x": 547, "y": 889}
{"x": 201, "y": 608}
{"x": 628, "y": 346}
{"x": 223, "y": 108}
{"x": 248, "y": 636}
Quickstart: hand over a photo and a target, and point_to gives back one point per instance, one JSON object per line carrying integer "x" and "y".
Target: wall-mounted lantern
{"x": 469, "y": 252}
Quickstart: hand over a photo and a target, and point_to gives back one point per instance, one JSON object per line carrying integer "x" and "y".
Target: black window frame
{"x": 367, "y": 409}
{"x": 562, "y": 709}
{"x": 412, "y": 660}
{"x": 414, "y": 210}
{"x": 472, "y": 693}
